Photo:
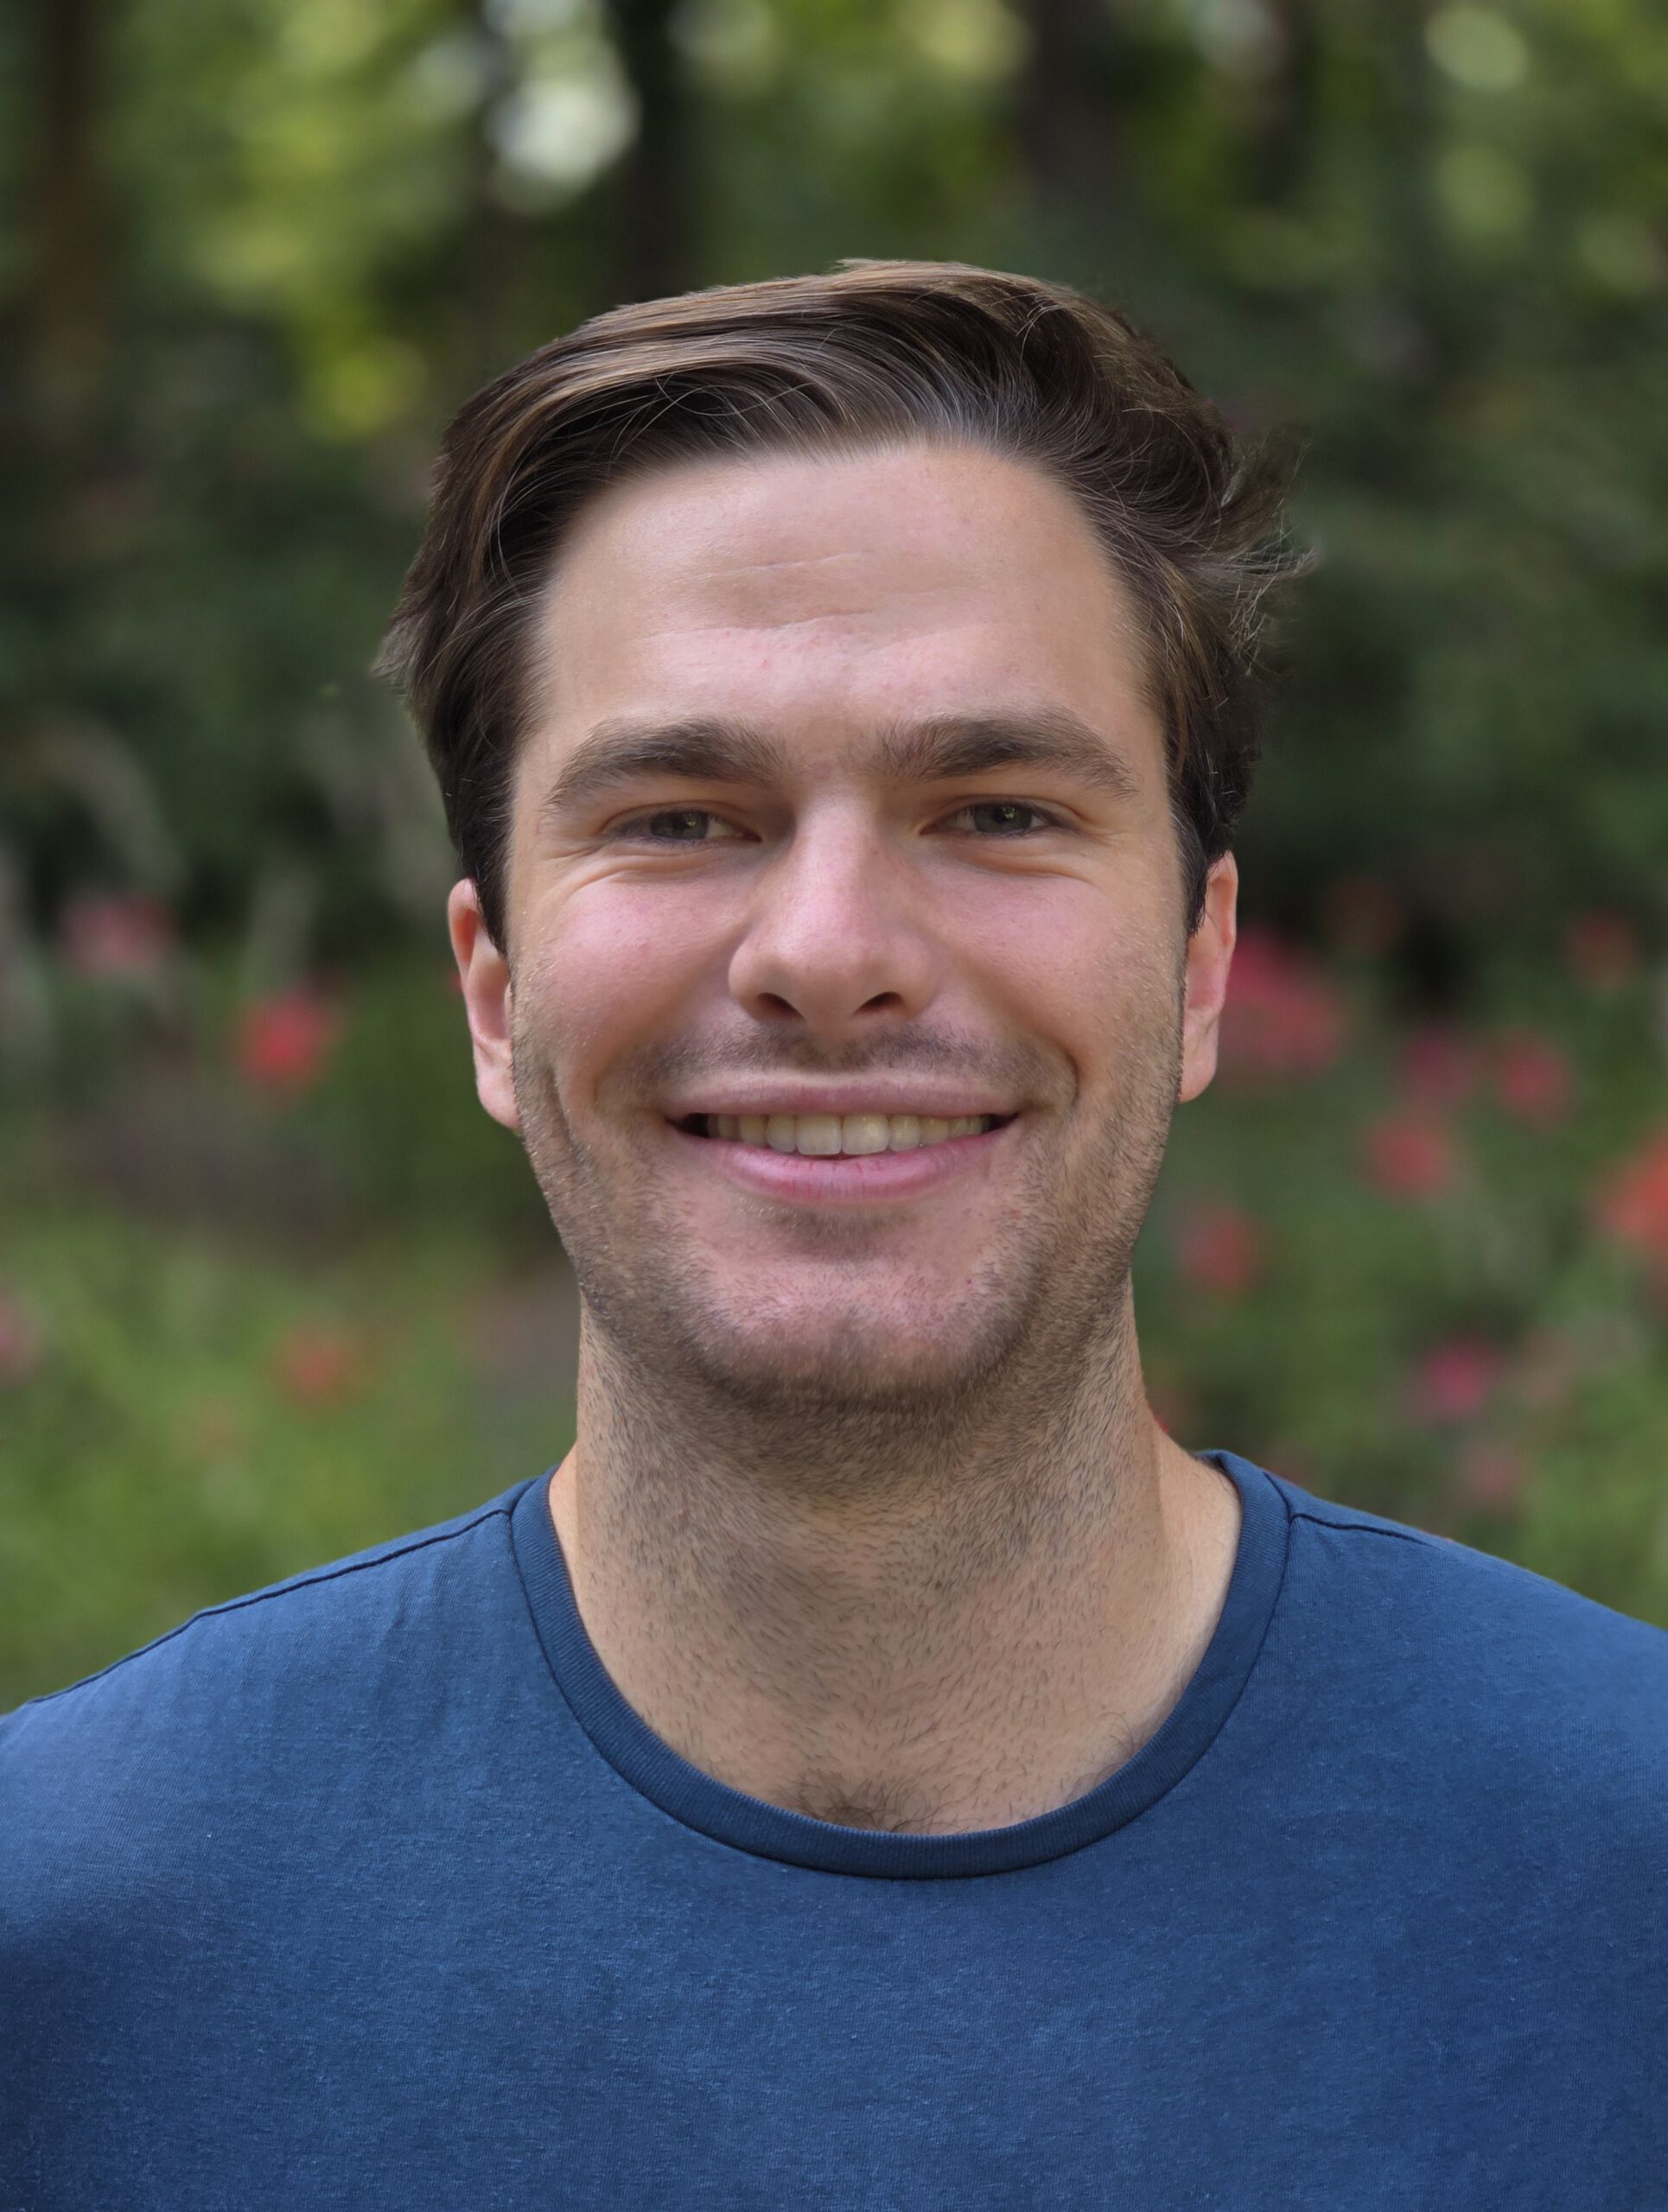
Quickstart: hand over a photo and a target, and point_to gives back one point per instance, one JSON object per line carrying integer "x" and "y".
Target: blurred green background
{"x": 272, "y": 1286}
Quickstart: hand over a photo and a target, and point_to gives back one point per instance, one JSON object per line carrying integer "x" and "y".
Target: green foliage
{"x": 206, "y": 1419}
{"x": 251, "y": 1319}
{"x": 259, "y": 251}
{"x": 272, "y": 1294}
{"x": 1404, "y": 1278}
{"x": 1432, "y": 245}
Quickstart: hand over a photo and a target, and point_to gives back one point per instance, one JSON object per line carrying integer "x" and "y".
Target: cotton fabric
{"x": 371, "y": 1889}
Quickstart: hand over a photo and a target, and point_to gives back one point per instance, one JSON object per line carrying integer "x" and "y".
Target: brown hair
{"x": 875, "y": 353}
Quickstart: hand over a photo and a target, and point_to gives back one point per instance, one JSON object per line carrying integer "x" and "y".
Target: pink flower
{"x": 1633, "y": 1205}
{"x": 315, "y": 1366}
{"x": 284, "y": 1041}
{"x": 1602, "y": 951}
{"x": 1454, "y": 1381}
{"x": 1283, "y": 1016}
{"x": 103, "y": 935}
{"x": 1533, "y": 1079}
{"x": 1409, "y": 1156}
{"x": 1491, "y": 1476}
{"x": 1219, "y": 1248}
{"x": 1441, "y": 1067}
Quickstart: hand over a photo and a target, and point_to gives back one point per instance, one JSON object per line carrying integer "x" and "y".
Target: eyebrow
{"x": 941, "y": 748}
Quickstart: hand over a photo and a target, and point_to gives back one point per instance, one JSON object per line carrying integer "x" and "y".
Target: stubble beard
{"x": 1041, "y": 1344}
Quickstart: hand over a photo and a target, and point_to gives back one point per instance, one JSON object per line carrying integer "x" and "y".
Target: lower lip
{"x": 865, "y": 1178}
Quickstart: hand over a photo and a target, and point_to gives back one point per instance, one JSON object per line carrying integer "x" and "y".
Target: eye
{"x": 1003, "y": 817}
{"x": 680, "y": 825}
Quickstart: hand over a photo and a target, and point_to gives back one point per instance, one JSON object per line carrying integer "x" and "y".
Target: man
{"x": 879, "y": 1767}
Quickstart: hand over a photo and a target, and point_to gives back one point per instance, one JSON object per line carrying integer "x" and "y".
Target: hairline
{"x": 872, "y": 357}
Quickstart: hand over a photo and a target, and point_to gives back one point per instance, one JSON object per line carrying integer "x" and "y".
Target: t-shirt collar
{"x": 751, "y": 1824}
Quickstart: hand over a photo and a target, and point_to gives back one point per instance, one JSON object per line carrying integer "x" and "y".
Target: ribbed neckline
{"x": 751, "y": 1824}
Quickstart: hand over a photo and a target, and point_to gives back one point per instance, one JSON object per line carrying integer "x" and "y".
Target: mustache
{"x": 673, "y": 1063}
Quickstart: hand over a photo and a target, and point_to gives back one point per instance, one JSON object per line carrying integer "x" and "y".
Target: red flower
{"x": 1283, "y": 1015}
{"x": 1441, "y": 1067}
{"x": 1409, "y": 1156}
{"x": 1602, "y": 951}
{"x": 1533, "y": 1079}
{"x": 283, "y": 1041}
{"x": 315, "y": 1366}
{"x": 1454, "y": 1381}
{"x": 1219, "y": 1248}
{"x": 103, "y": 935}
{"x": 1633, "y": 1205}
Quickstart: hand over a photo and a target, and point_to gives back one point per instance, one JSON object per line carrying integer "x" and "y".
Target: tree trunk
{"x": 70, "y": 311}
{"x": 1068, "y": 115}
{"x": 1284, "y": 107}
{"x": 656, "y": 186}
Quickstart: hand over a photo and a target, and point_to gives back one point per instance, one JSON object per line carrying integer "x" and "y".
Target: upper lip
{"x": 875, "y": 1096}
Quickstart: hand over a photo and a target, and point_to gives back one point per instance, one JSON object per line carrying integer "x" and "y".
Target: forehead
{"x": 837, "y": 594}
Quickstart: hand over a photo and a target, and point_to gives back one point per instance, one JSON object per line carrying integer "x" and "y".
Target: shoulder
{"x": 283, "y": 1662}
{"x": 179, "y": 1821}
{"x": 1473, "y": 1598}
{"x": 1487, "y": 1675}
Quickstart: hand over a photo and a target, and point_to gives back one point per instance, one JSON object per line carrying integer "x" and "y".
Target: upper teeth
{"x": 827, "y": 1134}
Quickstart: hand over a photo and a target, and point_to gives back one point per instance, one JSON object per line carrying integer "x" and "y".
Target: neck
{"x": 950, "y": 1622}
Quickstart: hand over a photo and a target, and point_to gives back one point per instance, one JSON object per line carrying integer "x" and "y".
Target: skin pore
{"x": 842, "y": 794}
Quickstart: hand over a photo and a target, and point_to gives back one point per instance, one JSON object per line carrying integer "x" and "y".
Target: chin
{"x": 860, "y": 1356}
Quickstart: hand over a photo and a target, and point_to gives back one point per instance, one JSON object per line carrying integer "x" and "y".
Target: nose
{"x": 835, "y": 935}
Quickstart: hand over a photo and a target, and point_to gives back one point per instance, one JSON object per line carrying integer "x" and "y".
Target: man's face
{"x": 842, "y": 818}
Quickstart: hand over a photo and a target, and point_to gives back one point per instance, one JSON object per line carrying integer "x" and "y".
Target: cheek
{"x": 1066, "y": 964}
{"x": 619, "y": 964}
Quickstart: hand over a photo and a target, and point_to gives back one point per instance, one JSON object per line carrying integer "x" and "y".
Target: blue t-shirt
{"x": 369, "y": 1890}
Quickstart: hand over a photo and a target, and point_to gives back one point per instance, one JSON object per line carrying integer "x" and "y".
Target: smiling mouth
{"x": 831, "y": 1137}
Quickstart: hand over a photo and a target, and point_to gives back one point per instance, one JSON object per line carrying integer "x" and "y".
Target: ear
{"x": 485, "y": 976}
{"x": 1210, "y": 955}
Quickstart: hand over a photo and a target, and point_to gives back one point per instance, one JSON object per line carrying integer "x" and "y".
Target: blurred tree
{"x": 253, "y": 255}
{"x": 264, "y": 248}
{"x": 71, "y": 322}
{"x": 661, "y": 214}
{"x": 1074, "y": 89}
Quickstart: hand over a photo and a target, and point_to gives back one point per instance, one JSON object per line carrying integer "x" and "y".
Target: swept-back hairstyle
{"x": 876, "y": 355}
